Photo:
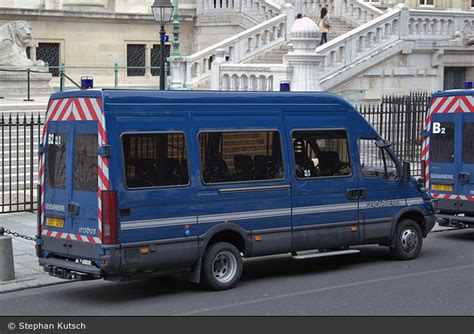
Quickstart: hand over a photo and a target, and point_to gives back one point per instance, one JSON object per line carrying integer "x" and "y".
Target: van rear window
{"x": 155, "y": 160}
{"x": 85, "y": 162}
{"x": 56, "y": 161}
{"x": 442, "y": 142}
{"x": 468, "y": 145}
{"x": 240, "y": 156}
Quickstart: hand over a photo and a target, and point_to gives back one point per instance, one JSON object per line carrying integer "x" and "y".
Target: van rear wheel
{"x": 221, "y": 266}
{"x": 408, "y": 240}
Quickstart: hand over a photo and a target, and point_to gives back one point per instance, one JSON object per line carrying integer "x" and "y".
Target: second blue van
{"x": 147, "y": 183}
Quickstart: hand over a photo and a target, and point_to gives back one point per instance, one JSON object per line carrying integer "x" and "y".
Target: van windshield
{"x": 442, "y": 143}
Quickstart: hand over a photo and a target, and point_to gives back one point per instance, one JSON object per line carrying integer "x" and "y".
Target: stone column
{"x": 303, "y": 59}
{"x": 177, "y": 68}
{"x": 33, "y": 47}
{"x": 148, "y": 48}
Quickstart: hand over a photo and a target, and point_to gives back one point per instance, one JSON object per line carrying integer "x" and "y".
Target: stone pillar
{"x": 404, "y": 20}
{"x": 33, "y": 47}
{"x": 215, "y": 69}
{"x": 148, "y": 48}
{"x": 305, "y": 37}
{"x": 7, "y": 266}
{"x": 177, "y": 68}
{"x": 289, "y": 10}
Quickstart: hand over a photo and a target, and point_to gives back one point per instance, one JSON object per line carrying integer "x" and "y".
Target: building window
{"x": 155, "y": 59}
{"x": 240, "y": 156}
{"x": 321, "y": 153}
{"x": 426, "y": 2}
{"x": 155, "y": 160}
{"x": 49, "y": 53}
{"x": 135, "y": 60}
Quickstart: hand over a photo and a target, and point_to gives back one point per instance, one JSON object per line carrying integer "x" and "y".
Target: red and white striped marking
{"x": 77, "y": 109}
{"x": 445, "y": 104}
{"x": 450, "y": 196}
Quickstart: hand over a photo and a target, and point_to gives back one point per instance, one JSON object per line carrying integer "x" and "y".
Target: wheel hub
{"x": 409, "y": 240}
{"x": 225, "y": 266}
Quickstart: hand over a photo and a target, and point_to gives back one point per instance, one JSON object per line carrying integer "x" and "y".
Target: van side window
{"x": 442, "y": 142}
{"x": 155, "y": 160}
{"x": 240, "y": 156}
{"x": 375, "y": 161}
{"x": 468, "y": 145}
{"x": 56, "y": 161}
{"x": 85, "y": 162}
{"x": 321, "y": 153}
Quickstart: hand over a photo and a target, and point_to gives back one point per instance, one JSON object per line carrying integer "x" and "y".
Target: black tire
{"x": 221, "y": 266}
{"x": 408, "y": 240}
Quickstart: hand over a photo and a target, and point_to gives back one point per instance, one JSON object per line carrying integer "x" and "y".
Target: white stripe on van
{"x": 324, "y": 208}
{"x": 233, "y": 216}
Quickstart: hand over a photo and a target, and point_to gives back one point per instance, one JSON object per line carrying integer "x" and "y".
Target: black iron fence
{"x": 19, "y": 135}
{"x": 400, "y": 120}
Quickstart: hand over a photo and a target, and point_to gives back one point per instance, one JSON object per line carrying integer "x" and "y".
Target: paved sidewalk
{"x": 28, "y": 273}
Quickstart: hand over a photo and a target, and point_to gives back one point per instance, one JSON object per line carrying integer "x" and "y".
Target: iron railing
{"x": 19, "y": 135}
{"x": 400, "y": 120}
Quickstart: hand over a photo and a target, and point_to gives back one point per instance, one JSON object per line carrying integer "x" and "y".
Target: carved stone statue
{"x": 15, "y": 37}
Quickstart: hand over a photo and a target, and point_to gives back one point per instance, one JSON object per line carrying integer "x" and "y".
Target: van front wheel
{"x": 408, "y": 240}
{"x": 221, "y": 266}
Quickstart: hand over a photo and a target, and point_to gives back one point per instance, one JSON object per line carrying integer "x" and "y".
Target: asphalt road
{"x": 439, "y": 282}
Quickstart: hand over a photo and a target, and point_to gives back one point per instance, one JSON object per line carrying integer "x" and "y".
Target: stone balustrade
{"x": 237, "y": 48}
{"x": 312, "y": 8}
{"x": 258, "y": 9}
{"x": 359, "y": 43}
{"x": 357, "y": 11}
{"x": 251, "y": 77}
{"x": 437, "y": 25}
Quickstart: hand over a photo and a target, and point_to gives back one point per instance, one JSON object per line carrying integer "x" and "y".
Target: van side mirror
{"x": 406, "y": 173}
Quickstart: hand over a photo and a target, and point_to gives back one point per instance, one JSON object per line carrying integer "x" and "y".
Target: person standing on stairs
{"x": 324, "y": 25}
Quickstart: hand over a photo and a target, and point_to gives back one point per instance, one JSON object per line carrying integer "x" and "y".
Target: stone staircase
{"x": 276, "y": 54}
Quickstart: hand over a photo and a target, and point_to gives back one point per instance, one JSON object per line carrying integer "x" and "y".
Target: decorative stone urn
{"x": 304, "y": 37}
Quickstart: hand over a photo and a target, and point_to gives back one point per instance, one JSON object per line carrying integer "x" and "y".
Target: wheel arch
{"x": 226, "y": 232}
{"x": 413, "y": 213}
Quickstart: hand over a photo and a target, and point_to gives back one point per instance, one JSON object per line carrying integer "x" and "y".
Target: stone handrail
{"x": 237, "y": 48}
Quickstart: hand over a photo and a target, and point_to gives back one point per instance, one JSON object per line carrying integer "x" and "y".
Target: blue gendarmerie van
{"x": 448, "y": 156}
{"x": 147, "y": 183}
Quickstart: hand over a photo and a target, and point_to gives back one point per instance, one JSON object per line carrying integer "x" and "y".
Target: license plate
{"x": 442, "y": 187}
{"x": 55, "y": 222}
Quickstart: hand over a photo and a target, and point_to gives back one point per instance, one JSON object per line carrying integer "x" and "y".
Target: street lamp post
{"x": 162, "y": 11}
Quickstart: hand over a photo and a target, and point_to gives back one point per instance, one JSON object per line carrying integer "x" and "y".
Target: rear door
{"x": 70, "y": 223}
{"x": 445, "y": 157}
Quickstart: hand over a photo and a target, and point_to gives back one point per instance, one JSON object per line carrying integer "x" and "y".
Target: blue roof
{"x": 454, "y": 92}
{"x": 119, "y": 96}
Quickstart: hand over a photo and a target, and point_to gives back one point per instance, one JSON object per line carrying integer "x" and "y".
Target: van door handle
{"x": 124, "y": 212}
{"x": 464, "y": 177}
{"x": 73, "y": 208}
{"x": 352, "y": 193}
{"x": 362, "y": 193}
